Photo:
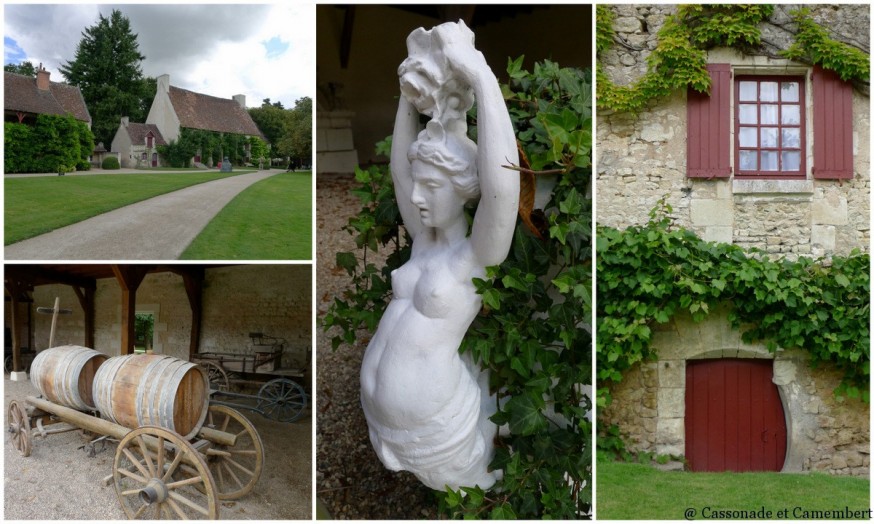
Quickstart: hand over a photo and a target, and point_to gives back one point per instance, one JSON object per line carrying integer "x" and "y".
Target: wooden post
{"x": 55, "y": 312}
{"x": 193, "y": 280}
{"x": 86, "y": 300}
{"x": 16, "y": 332}
{"x": 129, "y": 279}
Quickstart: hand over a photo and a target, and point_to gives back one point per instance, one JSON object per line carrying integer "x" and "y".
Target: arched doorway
{"x": 734, "y": 416}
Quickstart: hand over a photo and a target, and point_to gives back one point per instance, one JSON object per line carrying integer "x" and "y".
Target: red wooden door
{"x": 734, "y": 417}
{"x": 154, "y": 159}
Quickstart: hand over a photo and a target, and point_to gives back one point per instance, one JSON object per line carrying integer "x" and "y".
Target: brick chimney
{"x": 240, "y": 99}
{"x": 42, "y": 79}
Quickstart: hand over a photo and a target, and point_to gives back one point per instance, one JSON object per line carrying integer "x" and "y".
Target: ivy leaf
{"x": 525, "y": 414}
{"x": 502, "y": 512}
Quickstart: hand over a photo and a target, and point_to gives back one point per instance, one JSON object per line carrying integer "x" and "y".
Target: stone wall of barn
{"x": 237, "y": 300}
{"x": 642, "y": 158}
{"x": 824, "y": 433}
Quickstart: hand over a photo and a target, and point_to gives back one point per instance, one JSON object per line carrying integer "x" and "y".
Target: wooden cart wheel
{"x": 236, "y": 469}
{"x": 282, "y": 399}
{"x": 158, "y": 475}
{"x": 218, "y": 378}
{"x": 19, "y": 428}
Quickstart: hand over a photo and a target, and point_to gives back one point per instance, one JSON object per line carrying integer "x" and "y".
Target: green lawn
{"x": 271, "y": 220}
{"x": 37, "y": 205}
{"x": 629, "y": 491}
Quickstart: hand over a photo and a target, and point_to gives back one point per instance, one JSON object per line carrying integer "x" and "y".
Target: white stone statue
{"x": 427, "y": 406}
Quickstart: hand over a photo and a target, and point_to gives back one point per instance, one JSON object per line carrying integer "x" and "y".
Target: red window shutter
{"x": 708, "y": 144}
{"x": 832, "y": 126}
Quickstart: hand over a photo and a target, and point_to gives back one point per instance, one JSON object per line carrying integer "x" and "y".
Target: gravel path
{"x": 159, "y": 228}
{"x": 60, "y": 481}
{"x": 350, "y": 479}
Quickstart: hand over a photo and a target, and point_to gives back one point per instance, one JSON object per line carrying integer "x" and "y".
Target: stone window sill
{"x": 771, "y": 187}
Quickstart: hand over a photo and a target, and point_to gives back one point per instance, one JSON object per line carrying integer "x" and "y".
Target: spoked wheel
{"x": 218, "y": 378}
{"x": 236, "y": 469}
{"x": 282, "y": 399}
{"x": 158, "y": 475}
{"x": 19, "y": 428}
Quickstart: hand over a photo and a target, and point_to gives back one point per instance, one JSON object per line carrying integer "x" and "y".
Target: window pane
{"x": 748, "y": 91}
{"x": 768, "y": 91}
{"x": 748, "y": 114}
{"x": 769, "y": 113}
{"x": 789, "y": 91}
{"x": 791, "y": 115}
{"x": 748, "y": 137}
{"x": 791, "y": 160}
{"x": 769, "y": 161}
{"x": 748, "y": 160}
{"x": 769, "y": 137}
{"x": 791, "y": 139}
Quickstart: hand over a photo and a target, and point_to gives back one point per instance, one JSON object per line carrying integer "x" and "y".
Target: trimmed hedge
{"x": 110, "y": 162}
{"x": 54, "y": 143}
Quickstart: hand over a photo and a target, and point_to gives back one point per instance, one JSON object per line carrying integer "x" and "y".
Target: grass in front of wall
{"x": 37, "y": 205}
{"x": 627, "y": 491}
{"x": 271, "y": 220}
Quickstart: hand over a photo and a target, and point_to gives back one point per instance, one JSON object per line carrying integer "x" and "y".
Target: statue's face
{"x": 439, "y": 203}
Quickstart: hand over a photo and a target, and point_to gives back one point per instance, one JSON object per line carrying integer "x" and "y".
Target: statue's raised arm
{"x": 495, "y": 218}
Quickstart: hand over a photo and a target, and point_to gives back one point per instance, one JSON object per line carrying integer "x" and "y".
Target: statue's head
{"x": 453, "y": 154}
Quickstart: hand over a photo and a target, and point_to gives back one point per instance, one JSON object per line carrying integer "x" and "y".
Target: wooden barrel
{"x": 156, "y": 390}
{"x": 65, "y": 375}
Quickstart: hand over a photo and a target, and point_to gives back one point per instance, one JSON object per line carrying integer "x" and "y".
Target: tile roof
{"x": 21, "y": 94}
{"x": 199, "y": 111}
{"x": 138, "y": 132}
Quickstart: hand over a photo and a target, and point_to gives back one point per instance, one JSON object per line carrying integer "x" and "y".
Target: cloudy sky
{"x": 261, "y": 51}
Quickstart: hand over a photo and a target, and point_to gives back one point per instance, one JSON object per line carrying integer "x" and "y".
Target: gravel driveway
{"x": 60, "y": 481}
{"x": 350, "y": 479}
{"x": 159, "y": 228}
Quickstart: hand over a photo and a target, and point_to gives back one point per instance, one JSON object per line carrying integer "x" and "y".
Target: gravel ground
{"x": 60, "y": 481}
{"x": 350, "y": 480}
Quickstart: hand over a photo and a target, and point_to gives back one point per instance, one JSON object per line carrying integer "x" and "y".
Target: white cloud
{"x": 213, "y": 49}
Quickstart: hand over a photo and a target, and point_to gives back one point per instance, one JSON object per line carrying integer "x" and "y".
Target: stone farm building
{"x": 25, "y": 97}
{"x": 174, "y": 109}
{"x": 734, "y": 171}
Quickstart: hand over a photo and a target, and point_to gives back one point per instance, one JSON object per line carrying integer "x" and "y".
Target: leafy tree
{"x": 107, "y": 71}
{"x": 25, "y": 68}
{"x": 297, "y": 138}
{"x": 270, "y": 120}
{"x": 52, "y": 144}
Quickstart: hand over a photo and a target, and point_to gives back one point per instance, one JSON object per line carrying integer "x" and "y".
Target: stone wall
{"x": 641, "y": 158}
{"x": 824, "y": 434}
{"x": 237, "y": 300}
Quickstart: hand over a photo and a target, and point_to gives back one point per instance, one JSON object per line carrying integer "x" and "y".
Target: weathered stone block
{"x": 626, "y": 24}
{"x": 832, "y": 209}
{"x": 823, "y": 236}
{"x": 672, "y": 402}
{"x": 722, "y": 234}
{"x": 715, "y": 212}
{"x": 672, "y": 373}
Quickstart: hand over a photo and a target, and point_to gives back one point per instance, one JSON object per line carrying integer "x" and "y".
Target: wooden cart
{"x": 279, "y": 397}
{"x": 157, "y": 473}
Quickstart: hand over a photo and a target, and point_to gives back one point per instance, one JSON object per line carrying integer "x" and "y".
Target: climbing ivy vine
{"x": 679, "y": 60}
{"x": 813, "y": 45}
{"x": 648, "y": 274}
{"x": 534, "y": 331}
